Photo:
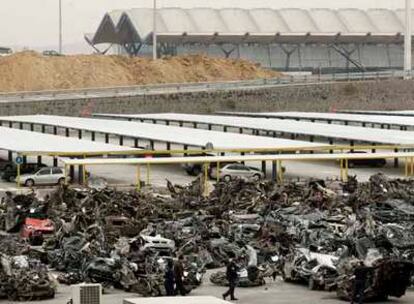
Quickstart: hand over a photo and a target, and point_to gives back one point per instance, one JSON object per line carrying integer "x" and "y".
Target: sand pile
{"x": 29, "y": 71}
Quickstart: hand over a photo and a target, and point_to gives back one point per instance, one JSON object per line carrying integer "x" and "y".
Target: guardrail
{"x": 203, "y": 86}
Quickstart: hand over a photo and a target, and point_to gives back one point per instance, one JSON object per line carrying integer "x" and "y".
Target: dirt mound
{"x": 30, "y": 71}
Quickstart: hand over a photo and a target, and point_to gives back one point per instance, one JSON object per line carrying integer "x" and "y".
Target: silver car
{"x": 231, "y": 171}
{"x": 45, "y": 176}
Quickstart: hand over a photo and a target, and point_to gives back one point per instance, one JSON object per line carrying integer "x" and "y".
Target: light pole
{"x": 154, "y": 31}
{"x": 407, "y": 40}
{"x": 60, "y": 27}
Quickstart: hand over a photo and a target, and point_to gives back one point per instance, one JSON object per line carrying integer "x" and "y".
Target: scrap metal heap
{"x": 314, "y": 232}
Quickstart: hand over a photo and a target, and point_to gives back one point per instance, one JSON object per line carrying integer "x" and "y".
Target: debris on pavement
{"x": 312, "y": 232}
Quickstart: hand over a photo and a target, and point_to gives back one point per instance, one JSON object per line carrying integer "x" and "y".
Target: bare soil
{"x": 30, "y": 71}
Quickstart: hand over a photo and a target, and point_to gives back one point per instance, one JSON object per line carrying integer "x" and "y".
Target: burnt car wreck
{"x": 314, "y": 233}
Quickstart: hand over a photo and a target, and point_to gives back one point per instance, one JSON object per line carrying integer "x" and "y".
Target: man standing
{"x": 232, "y": 276}
{"x": 178, "y": 274}
{"x": 169, "y": 278}
{"x": 360, "y": 281}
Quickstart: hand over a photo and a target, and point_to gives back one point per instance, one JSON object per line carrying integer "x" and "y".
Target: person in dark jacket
{"x": 361, "y": 275}
{"x": 232, "y": 277}
{"x": 178, "y": 275}
{"x": 169, "y": 278}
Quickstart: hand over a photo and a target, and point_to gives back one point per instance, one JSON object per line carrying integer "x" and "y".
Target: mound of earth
{"x": 30, "y": 71}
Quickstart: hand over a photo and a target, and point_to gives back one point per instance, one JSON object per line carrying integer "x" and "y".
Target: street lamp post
{"x": 60, "y": 27}
{"x": 407, "y": 40}
{"x": 154, "y": 32}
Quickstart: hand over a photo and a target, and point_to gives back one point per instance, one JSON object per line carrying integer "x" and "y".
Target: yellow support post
{"x": 218, "y": 172}
{"x": 346, "y": 170}
{"x": 279, "y": 171}
{"x": 406, "y": 167}
{"x": 66, "y": 174}
{"x": 412, "y": 166}
{"x": 138, "y": 178}
{"x": 148, "y": 174}
{"x": 18, "y": 176}
{"x": 206, "y": 179}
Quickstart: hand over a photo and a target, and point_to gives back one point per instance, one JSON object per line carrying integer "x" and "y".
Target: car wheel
{"x": 312, "y": 284}
{"x": 11, "y": 179}
{"x": 29, "y": 183}
{"x": 257, "y": 177}
{"x": 227, "y": 178}
{"x": 61, "y": 181}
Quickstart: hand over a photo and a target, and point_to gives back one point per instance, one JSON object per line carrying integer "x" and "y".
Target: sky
{"x": 34, "y": 23}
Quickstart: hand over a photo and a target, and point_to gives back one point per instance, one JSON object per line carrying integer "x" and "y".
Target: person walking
{"x": 169, "y": 279}
{"x": 360, "y": 281}
{"x": 232, "y": 277}
{"x": 178, "y": 276}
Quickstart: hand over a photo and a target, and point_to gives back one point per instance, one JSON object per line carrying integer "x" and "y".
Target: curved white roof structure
{"x": 261, "y": 25}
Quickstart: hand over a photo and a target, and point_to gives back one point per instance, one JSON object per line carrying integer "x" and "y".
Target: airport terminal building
{"x": 317, "y": 40}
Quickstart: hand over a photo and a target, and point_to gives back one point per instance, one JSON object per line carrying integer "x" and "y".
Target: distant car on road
{"x": 379, "y": 162}
{"x": 10, "y": 173}
{"x": 45, "y": 176}
{"x": 231, "y": 171}
{"x": 51, "y": 53}
{"x": 5, "y": 51}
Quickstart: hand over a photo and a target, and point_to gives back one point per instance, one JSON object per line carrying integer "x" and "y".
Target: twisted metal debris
{"x": 311, "y": 232}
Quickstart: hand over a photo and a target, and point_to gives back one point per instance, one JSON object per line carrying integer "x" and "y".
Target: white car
{"x": 231, "y": 171}
{"x": 45, "y": 176}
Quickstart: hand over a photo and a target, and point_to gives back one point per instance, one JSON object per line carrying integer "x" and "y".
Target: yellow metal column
{"x": 218, "y": 172}
{"x": 148, "y": 174}
{"x": 138, "y": 178}
{"x": 66, "y": 174}
{"x": 18, "y": 176}
{"x": 346, "y": 170}
{"x": 279, "y": 171}
{"x": 406, "y": 167}
{"x": 341, "y": 173}
{"x": 85, "y": 179}
{"x": 412, "y": 166}
{"x": 206, "y": 165}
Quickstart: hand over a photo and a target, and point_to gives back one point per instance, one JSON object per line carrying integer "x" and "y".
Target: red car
{"x": 35, "y": 230}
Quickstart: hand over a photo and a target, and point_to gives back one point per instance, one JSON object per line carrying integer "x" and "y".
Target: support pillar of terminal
{"x": 241, "y": 130}
{"x": 80, "y": 134}
{"x": 67, "y": 132}
{"x": 55, "y": 130}
{"x": 106, "y": 138}
{"x": 264, "y": 167}
{"x": 121, "y": 140}
{"x": 136, "y": 143}
{"x": 243, "y": 154}
{"x": 185, "y": 149}
{"x": 194, "y": 125}
{"x": 168, "y": 146}
{"x": 312, "y": 138}
{"x": 55, "y": 162}
{"x": 24, "y": 159}
{"x": 72, "y": 172}
{"x": 396, "y": 162}
{"x": 39, "y": 159}
{"x": 373, "y": 150}
{"x": 352, "y": 144}
{"x": 43, "y": 129}
{"x": 31, "y": 127}
{"x": 20, "y": 125}
{"x": 10, "y": 156}
{"x": 152, "y": 145}
{"x": 209, "y": 127}
{"x": 93, "y": 136}
{"x": 225, "y": 129}
{"x": 167, "y": 122}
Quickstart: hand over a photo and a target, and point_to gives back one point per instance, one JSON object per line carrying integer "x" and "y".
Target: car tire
{"x": 257, "y": 177}
{"x": 227, "y": 178}
{"x": 29, "y": 183}
{"x": 61, "y": 181}
{"x": 312, "y": 284}
{"x": 11, "y": 179}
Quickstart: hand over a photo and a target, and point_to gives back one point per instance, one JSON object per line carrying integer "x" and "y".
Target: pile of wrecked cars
{"x": 312, "y": 232}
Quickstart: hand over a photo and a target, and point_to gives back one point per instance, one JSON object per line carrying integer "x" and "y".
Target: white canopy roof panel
{"x": 17, "y": 140}
{"x": 184, "y": 136}
{"x": 361, "y": 134}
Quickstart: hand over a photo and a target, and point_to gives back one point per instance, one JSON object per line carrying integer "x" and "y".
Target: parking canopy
{"x": 23, "y": 141}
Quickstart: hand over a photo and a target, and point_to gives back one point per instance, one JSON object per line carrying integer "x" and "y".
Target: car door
{"x": 230, "y": 170}
{"x": 57, "y": 173}
{"x": 43, "y": 176}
